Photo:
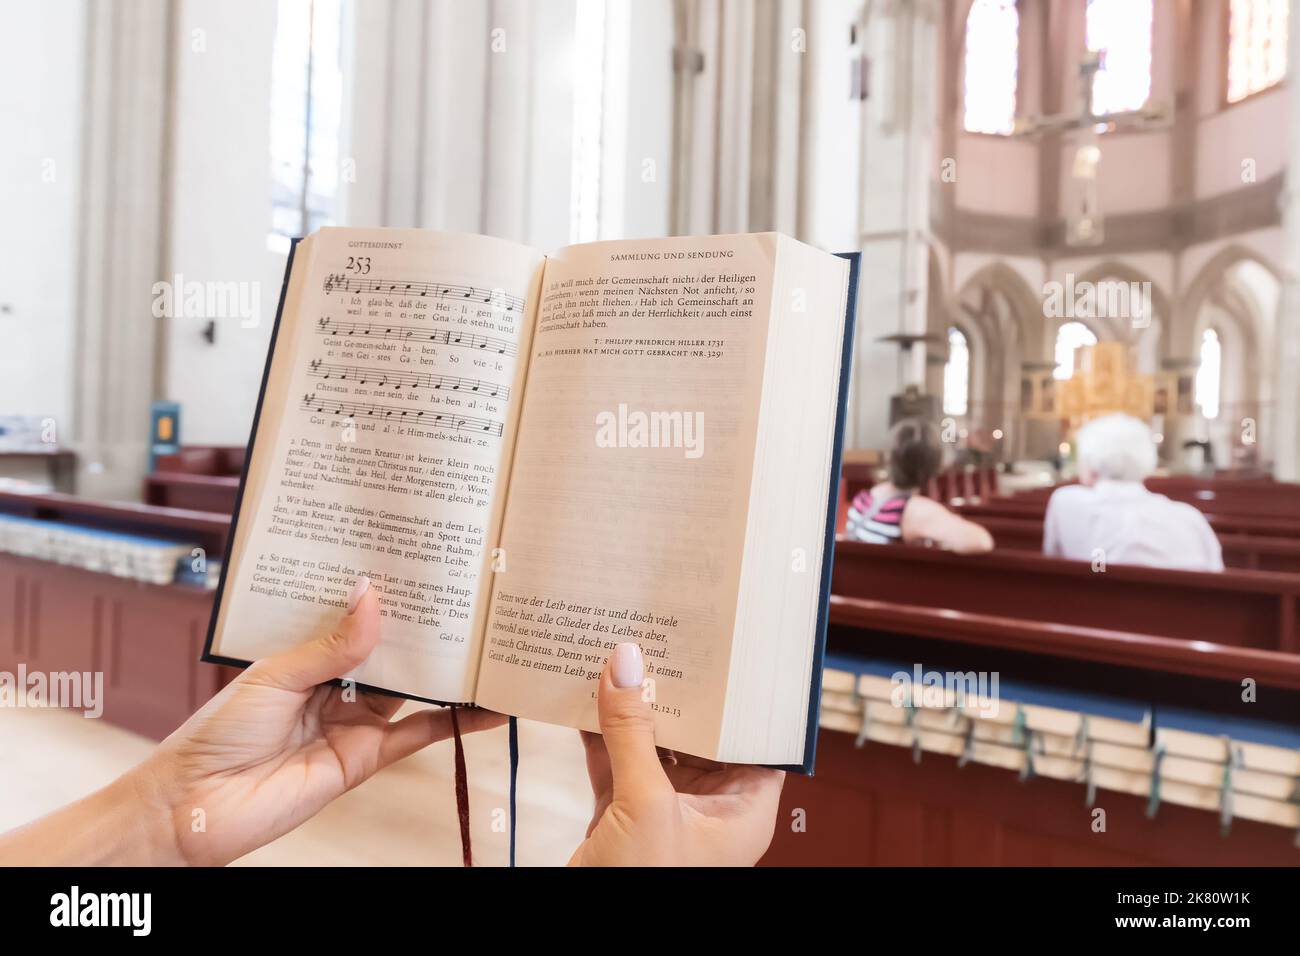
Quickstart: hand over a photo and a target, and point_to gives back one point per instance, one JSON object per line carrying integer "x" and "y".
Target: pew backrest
{"x": 1256, "y": 609}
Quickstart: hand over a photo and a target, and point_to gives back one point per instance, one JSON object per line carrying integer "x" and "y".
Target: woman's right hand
{"x": 666, "y": 811}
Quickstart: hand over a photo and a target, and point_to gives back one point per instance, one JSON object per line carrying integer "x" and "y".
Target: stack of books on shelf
{"x": 152, "y": 560}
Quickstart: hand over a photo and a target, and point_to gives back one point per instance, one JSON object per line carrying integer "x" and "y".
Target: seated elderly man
{"x": 1113, "y": 517}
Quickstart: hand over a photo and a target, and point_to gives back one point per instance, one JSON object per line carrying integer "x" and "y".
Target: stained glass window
{"x": 956, "y": 374}
{"x": 992, "y": 52}
{"x": 1256, "y": 46}
{"x": 1072, "y": 335}
{"x": 1121, "y": 28}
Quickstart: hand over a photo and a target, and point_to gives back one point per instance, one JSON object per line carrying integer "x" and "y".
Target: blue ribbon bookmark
{"x": 514, "y": 779}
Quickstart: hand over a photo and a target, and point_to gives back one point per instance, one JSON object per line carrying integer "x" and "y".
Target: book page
{"x": 627, "y": 508}
{"x": 382, "y": 449}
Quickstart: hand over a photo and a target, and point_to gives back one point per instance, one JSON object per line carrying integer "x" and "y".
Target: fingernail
{"x": 358, "y": 592}
{"x": 629, "y": 668}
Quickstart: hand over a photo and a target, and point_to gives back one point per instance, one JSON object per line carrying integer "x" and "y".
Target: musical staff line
{"x": 379, "y": 330}
{"x": 424, "y": 290}
{"x": 413, "y": 380}
{"x": 445, "y": 420}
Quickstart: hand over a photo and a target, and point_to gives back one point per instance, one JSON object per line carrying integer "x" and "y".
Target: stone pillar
{"x": 900, "y": 42}
{"x": 1286, "y": 379}
{"x": 1179, "y": 426}
{"x": 1037, "y": 438}
{"x": 128, "y": 53}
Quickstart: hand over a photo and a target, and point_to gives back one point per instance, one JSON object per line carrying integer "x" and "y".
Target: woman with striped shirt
{"x": 895, "y": 512}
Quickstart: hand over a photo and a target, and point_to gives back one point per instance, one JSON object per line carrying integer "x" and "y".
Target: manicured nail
{"x": 629, "y": 668}
{"x": 358, "y": 592}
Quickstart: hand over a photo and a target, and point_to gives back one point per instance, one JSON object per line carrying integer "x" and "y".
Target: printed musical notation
{"x": 379, "y": 330}
{"x": 425, "y": 290}
{"x": 402, "y": 379}
{"x": 445, "y": 420}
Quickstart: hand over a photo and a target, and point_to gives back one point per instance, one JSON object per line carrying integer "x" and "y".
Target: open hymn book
{"x": 534, "y": 458}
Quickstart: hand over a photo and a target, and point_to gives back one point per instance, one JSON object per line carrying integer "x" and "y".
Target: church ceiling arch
{"x": 1212, "y": 279}
{"x": 1023, "y": 310}
{"x": 1125, "y": 323}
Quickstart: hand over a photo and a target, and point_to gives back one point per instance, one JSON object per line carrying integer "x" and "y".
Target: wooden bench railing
{"x": 1101, "y": 645}
{"x": 205, "y": 529}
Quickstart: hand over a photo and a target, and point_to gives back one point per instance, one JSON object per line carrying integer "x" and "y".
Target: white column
{"x": 1286, "y": 379}
{"x": 127, "y": 53}
{"x": 901, "y": 43}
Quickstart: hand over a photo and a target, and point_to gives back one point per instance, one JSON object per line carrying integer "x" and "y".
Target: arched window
{"x": 956, "y": 374}
{"x": 1256, "y": 46}
{"x": 992, "y": 45}
{"x": 1069, "y": 337}
{"x": 1122, "y": 28}
{"x": 1209, "y": 376}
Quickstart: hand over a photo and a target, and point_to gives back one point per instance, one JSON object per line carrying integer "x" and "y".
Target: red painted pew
{"x": 877, "y": 806}
{"x": 1256, "y": 609}
{"x": 1242, "y": 552}
{"x": 1220, "y": 496}
{"x": 1223, "y": 524}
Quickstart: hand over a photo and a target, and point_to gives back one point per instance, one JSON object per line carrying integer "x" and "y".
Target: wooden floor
{"x": 405, "y": 816}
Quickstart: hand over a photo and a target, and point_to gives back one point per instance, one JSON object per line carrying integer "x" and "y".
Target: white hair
{"x": 1116, "y": 448}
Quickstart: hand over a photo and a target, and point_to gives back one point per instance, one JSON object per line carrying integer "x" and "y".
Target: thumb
{"x": 627, "y": 724}
{"x": 333, "y": 654}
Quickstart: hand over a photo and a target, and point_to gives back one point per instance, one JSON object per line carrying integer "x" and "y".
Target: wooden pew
{"x": 1257, "y": 609}
{"x": 876, "y": 806}
{"x": 881, "y": 806}
{"x": 1243, "y": 552}
{"x": 1282, "y": 490}
{"x": 145, "y": 638}
{"x": 960, "y": 484}
{"x": 198, "y": 478}
{"x": 1238, "y": 503}
{"x": 1245, "y": 525}
{"x": 1228, "y": 497}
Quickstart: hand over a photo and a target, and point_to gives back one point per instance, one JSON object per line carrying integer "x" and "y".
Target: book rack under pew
{"x": 874, "y": 804}
{"x": 146, "y": 638}
{"x": 1241, "y": 769}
